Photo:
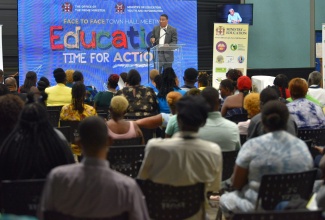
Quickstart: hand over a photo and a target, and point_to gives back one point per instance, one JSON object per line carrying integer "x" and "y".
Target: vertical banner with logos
{"x": 323, "y": 53}
{"x": 1, "y": 54}
{"x": 230, "y": 44}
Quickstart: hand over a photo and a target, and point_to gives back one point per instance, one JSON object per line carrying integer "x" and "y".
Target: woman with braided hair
{"x": 34, "y": 147}
{"x": 103, "y": 99}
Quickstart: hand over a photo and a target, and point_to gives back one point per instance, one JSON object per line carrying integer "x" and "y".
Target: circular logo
{"x": 241, "y": 59}
{"x": 221, "y": 46}
{"x": 233, "y": 47}
{"x": 220, "y": 59}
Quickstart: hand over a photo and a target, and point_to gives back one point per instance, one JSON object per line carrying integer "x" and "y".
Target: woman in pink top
{"x": 118, "y": 127}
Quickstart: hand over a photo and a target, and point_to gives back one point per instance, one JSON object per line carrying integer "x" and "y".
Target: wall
{"x": 319, "y": 14}
{"x": 280, "y": 36}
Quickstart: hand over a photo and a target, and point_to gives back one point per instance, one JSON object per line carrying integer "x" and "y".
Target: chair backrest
{"x": 275, "y": 188}
{"x": 57, "y": 108}
{"x": 243, "y": 138}
{"x": 238, "y": 118}
{"x": 312, "y": 137}
{"x": 228, "y": 159}
{"x": 52, "y": 215}
{"x": 21, "y": 197}
{"x": 73, "y": 125}
{"x": 125, "y": 142}
{"x": 54, "y": 117}
{"x": 103, "y": 115}
{"x": 280, "y": 215}
{"x": 171, "y": 202}
{"x": 66, "y": 131}
{"x": 126, "y": 159}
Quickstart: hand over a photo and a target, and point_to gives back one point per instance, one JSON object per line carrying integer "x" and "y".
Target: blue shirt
{"x": 150, "y": 85}
{"x": 163, "y": 105}
{"x": 234, "y": 17}
{"x": 306, "y": 114}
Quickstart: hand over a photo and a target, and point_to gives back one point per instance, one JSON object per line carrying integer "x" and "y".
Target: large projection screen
{"x": 99, "y": 37}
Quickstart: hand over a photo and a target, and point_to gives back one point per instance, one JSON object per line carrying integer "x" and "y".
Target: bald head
{"x": 11, "y": 83}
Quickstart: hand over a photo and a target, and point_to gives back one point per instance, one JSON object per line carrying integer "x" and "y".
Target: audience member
{"x": 315, "y": 82}
{"x": 142, "y": 100}
{"x": 30, "y": 80}
{"x": 252, "y": 106}
{"x": 118, "y": 127}
{"x": 10, "y": 108}
{"x": 185, "y": 159}
{"x": 4, "y": 90}
{"x": 158, "y": 82}
{"x": 234, "y": 104}
{"x": 69, "y": 189}
{"x": 203, "y": 80}
{"x": 306, "y": 114}
{"x": 281, "y": 84}
{"x": 33, "y": 148}
{"x": 190, "y": 78}
{"x": 59, "y": 94}
{"x": 273, "y": 153}
{"x": 11, "y": 84}
{"x": 152, "y": 84}
{"x": 1, "y": 76}
{"x": 103, "y": 99}
{"x": 256, "y": 128}
{"x": 227, "y": 88}
{"x": 163, "y": 118}
{"x": 69, "y": 74}
{"x": 43, "y": 83}
{"x": 124, "y": 75}
{"x": 233, "y": 75}
{"x": 218, "y": 129}
{"x": 169, "y": 83}
{"x": 77, "y": 110}
{"x": 91, "y": 91}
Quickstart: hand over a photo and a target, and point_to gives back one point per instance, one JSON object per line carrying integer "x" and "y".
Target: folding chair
{"x": 172, "y": 202}
{"x": 228, "y": 159}
{"x": 238, "y": 118}
{"x": 54, "y": 117}
{"x": 280, "y": 215}
{"x": 125, "y": 142}
{"x": 66, "y": 132}
{"x": 52, "y": 215}
{"x": 312, "y": 137}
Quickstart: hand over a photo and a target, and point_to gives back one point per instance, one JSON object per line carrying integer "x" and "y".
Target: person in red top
{"x": 281, "y": 83}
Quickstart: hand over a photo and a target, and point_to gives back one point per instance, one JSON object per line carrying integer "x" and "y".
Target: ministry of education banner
{"x": 230, "y": 45}
{"x": 323, "y": 53}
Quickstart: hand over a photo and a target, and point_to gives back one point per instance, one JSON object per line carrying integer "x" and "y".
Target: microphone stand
{"x": 148, "y": 49}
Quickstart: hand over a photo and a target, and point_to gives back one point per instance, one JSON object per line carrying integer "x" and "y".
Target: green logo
{"x": 221, "y": 70}
{"x": 233, "y": 47}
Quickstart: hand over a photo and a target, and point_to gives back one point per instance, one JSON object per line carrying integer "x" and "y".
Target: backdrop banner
{"x": 230, "y": 44}
{"x": 99, "y": 38}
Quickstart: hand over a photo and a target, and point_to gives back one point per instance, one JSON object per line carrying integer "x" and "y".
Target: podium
{"x": 168, "y": 55}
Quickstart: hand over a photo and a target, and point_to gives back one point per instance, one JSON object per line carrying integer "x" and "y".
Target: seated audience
{"x": 169, "y": 83}
{"x": 4, "y": 90}
{"x": 59, "y": 94}
{"x": 77, "y": 110}
{"x": 234, "y": 104}
{"x": 11, "y": 84}
{"x": 190, "y": 78}
{"x": 152, "y": 84}
{"x": 233, "y": 75}
{"x": 281, "y": 84}
{"x": 218, "y": 129}
{"x": 163, "y": 118}
{"x": 256, "y": 128}
{"x": 306, "y": 114}
{"x": 69, "y": 74}
{"x": 91, "y": 91}
{"x": 314, "y": 82}
{"x": 185, "y": 159}
{"x": 142, "y": 100}
{"x": 70, "y": 189}
{"x": 273, "y": 153}
{"x": 1, "y": 76}
{"x": 227, "y": 88}
{"x": 33, "y": 148}
{"x": 30, "y": 80}
{"x": 252, "y": 106}
{"x": 203, "y": 80}
{"x": 43, "y": 83}
{"x": 118, "y": 127}
{"x": 103, "y": 99}
{"x": 10, "y": 108}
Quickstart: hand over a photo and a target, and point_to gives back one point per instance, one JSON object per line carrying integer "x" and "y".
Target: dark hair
{"x": 1, "y": 73}
{"x": 158, "y": 81}
{"x": 33, "y": 148}
{"x": 164, "y": 15}
{"x": 123, "y": 75}
{"x": 203, "y": 79}
{"x": 3, "y": 89}
{"x": 10, "y": 108}
{"x": 211, "y": 95}
{"x": 168, "y": 83}
{"x": 234, "y": 74}
{"x": 59, "y": 75}
{"x": 45, "y": 80}
{"x": 43, "y": 83}
{"x": 269, "y": 94}
{"x": 78, "y": 96}
{"x": 112, "y": 80}
{"x": 77, "y": 76}
{"x": 275, "y": 115}
{"x": 30, "y": 80}
{"x": 191, "y": 74}
{"x": 192, "y": 111}
{"x": 133, "y": 78}
{"x": 228, "y": 84}
{"x": 281, "y": 81}
{"x": 93, "y": 132}
{"x": 193, "y": 92}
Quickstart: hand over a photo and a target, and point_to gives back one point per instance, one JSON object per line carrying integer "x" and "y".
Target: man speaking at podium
{"x": 164, "y": 34}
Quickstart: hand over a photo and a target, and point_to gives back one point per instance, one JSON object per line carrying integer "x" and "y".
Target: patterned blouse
{"x": 68, "y": 114}
{"x": 143, "y": 103}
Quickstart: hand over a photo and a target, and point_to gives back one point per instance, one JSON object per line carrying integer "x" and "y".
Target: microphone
{"x": 160, "y": 37}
